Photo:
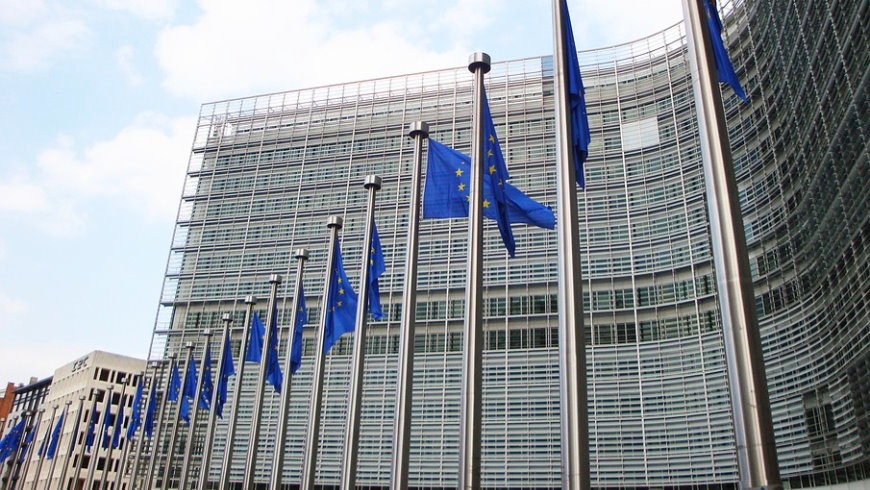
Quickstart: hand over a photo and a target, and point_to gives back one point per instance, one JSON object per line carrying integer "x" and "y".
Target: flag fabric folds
{"x": 10, "y": 442}
{"x": 447, "y": 191}
{"x": 227, "y": 370}
{"x": 723, "y": 63}
{"x": 580, "y": 137}
{"x": 174, "y": 384}
{"x": 92, "y": 426}
{"x": 188, "y": 390}
{"x": 207, "y": 388}
{"x": 119, "y": 422}
{"x": 340, "y": 303}
{"x": 149, "y": 412}
{"x": 495, "y": 171}
{"x": 44, "y": 445}
{"x": 273, "y": 367}
{"x": 255, "y": 340}
{"x": 75, "y": 433}
{"x": 107, "y": 419}
{"x": 298, "y": 325}
{"x": 376, "y": 268}
{"x": 26, "y": 444}
{"x": 55, "y": 438}
{"x": 136, "y": 411}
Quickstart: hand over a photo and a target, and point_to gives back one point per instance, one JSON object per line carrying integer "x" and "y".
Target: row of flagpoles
{"x": 456, "y": 186}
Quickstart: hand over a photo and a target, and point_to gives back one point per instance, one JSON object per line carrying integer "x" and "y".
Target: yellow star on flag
{"x": 461, "y": 187}
{"x": 459, "y": 172}
{"x": 485, "y": 203}
{"x": 489, "y": 153}
{"x": 492, "y": 169}
{"x": 491, "y": 138}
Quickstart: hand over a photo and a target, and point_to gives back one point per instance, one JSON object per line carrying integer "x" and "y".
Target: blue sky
{"x": 99, "y": 98}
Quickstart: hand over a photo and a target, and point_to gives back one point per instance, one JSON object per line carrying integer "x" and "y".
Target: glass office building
{"x": 266, "y": 171}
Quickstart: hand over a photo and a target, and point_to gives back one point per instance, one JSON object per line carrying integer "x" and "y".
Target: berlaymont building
{"x": 266, "y": 171}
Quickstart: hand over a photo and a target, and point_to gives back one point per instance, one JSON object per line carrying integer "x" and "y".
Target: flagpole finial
{"x": 479, "y": 60}
{"x": 69, "y": 402}
{"x": 227, "y": 318}
{"x": 189, "y": 345}
{"x": 207, "y": 332}
{"x": 274, "y": 279}
{"x": 373, "y": 181}
{"x": 418, "y": 127}
{"x": 250, "y": 300}
{"x": 301, "y": 253}
{"x": 334, "y": 222}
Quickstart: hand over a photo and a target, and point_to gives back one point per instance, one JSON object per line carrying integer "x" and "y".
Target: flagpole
{"x": 155, "y": 450}
{"x": 212, "y": 413}
{"x": 309, "y": 464}
{"x": 19, "y": 478}
{"x": 750, "y": 403}
{"x": 572, "y": 343}
{"x": 251, "y": 461}
{"x": 418, "y": 130}
{"x": 227, "y": 462}
{"x": 98, "y": 443}
{"x": 72, "y": 443}
{"x": 128, "y": 443}
{"x": 351, "y": 437}
{"x": 81, "y": 460}
{"x": 39, "y": 457}
{"x": 164, "y": 483}
{"x": 13, "y": 478}
{"x": 280, "y": 449}
{"x": 188, "y": 445}
{"x": 108, "y": 463}
{"x": 137, "y": 456}
{"x": 470, "y": 426}
{"x": 60, "y": 436}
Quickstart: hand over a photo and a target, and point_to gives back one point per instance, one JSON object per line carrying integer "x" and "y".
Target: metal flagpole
{"x": 5, "y": 471}
{"x": 155, "y": 445}
{"x": 572, "y": 342}
{"x": 108, "y": 465}
{"x": 60, "y": 436}
{"x": 125, "y": 454}
{"x": 194, "y": 410}
{"x": 309, "y": 463}
{"x": 39, "y": 457}
{"x": 98, "y": 443}
{"x": 81, "y": 460}
{"x": 12, "y": 478}
{"x": 280, "y": 440}
{"x": 418, "y": 130}
{"x": 72, "y": 444}
{"x": 212, "y": 413}
{"x": 750, "y": 403}
{"x": 470, "y": 426}
{"x": 167, "y": 468}
{"x": 18, "y": 478}
{"x": 227, "y": 462}
{"x": 251, "y": 461}
{"x": 137, "y": 456}
{"x": 354, "y": 408}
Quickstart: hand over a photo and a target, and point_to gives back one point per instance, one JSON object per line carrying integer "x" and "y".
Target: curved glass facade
{"x": 266, "y": 171}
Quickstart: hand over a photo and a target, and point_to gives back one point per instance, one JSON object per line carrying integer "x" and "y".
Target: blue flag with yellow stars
{"x": 273, "y": 367}
{"x": 119, "y": 421}
{"x": 376, "y": 268}
{"x": 255, "y": 340}
{"x": 446, "y": 193}
{"x": 136, "y": 411}
{"x": 107, "y": 419}
{"x": 580, "y": 136}
{"x": 299, "y": 324}
{"x": 188, "y": 391}
{"x": 149, "y": 413}
{"x": 207, "y": 387}
{"x": 174, "y": 384}
{"x": 340, "y": 303}
{"x": 227, "y": 369}
{"x": 10, "y": 442}
{"x": 723, "y": 63}
{"x": 91, "y": 435}
{"x": 495, "y": 172}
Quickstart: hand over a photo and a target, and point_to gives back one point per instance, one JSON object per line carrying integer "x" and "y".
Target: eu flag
{"x": 273, "y": 367}
{"x": 495, "y": 172}
{"x": 299, "y": 324}
{"x": 376, "y": 268}
{"x": 45, "y": 438}
{"x": 340, "y": 303}
{"x": 580, "y": 136}
{"x": 174, "y": 384}
{"x": 188, "y": 391}
{"x": 55, "y": 438}
{"x": 119, "y": 421}
{"x": 10, "y": 442}
{"x": 227, "y": 369}
{"x": 149, "y": 413}
{"x": 92, "y": 426}
{"x": 255, "y": 340}
{"x": 107, "y": 418}
{"x": 136, "y": 411}
{"x": 207, "y": 388}
{"x": 723, "y": 63}
{"x": 25, "y": 446}
{"x": 446, "y": 193}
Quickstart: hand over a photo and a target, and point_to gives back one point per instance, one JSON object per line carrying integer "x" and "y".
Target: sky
{"x": 98, "y": 100}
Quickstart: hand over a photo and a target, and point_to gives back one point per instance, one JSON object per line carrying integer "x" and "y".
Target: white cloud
{"x": 11, "y": 306}
{"x": 142, "y": 168}
{"x": 17, "y": 12}
{"x": 263, "y": 45}
{"x": 29, "y": 48}
{"x": 600, "y": 23}
{"x": 148, "y": 9}
{"x": 124, "y": 58}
